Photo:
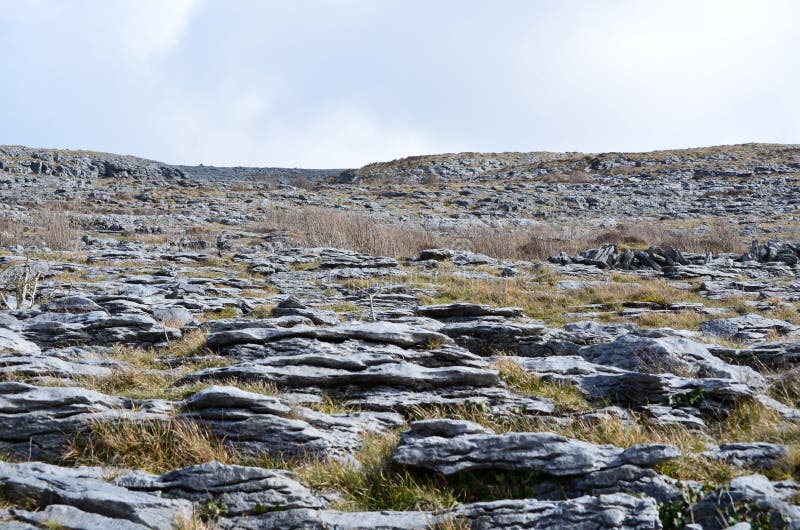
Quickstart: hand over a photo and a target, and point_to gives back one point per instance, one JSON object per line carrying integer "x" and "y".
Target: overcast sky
{"x": 339, "y": 83}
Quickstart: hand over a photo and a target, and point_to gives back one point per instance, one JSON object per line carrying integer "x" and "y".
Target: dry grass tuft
{"x": 193, "y": 522}
{"x": 56, "y": 229}
{"x": 475, "y": 413}
{"x": 786, "y": 388}
{"x": 566, "y": 397}
{"x": 673, "y": 319}
{"x": 537, "y": 296}
{"x": 51, "y": 227}
{"x": 375, "y": 484}
{"x": 326, "y": 227}
{"x": 154, "y": 446}
{"x": 330, "y": 227}
{"x": 717, "y": 236}
{"x": 452, "y": 523}
{"x": 192, "y": 343}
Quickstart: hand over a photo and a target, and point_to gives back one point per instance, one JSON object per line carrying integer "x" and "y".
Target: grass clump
{"x": 263, "y": 311}
{"x": 156, "y": 446}
{"x": 219, "y": 314}
{"x": 193, "y": 522}
{"x": 377, "y": 484}
{"x": 566, "y": 397}
{"x": 343, "y": 307}
{"x": 696, "y": 468}
{"x": 135, "y": 384}
{"x": 539, "y": 298}
{"x": 673, "y": 319}
{"x": 452, "y": 523}
{"x": 751, "y": 421}
{"x": 786, "y": 388}
{"x": 476, "y": 413}
{"x": 328, "y": 405}
{"x": 192, "y": 343}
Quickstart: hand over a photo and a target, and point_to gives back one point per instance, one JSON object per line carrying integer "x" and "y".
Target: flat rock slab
{"x": 747, "y": 327}
{"x": 465, "y": 309}
{"x": 382, "y": 332}
{"x": 255, "y": 424}
{"x": 35, "y": 421}
{"x": 11, "y": 342}
{"x": 618, "y": 511}
{"x": 66, "y": 517}
{"x": 756, "y": 455}
{"x": 635, "y": 389}
{"x": 498, "y": 400}
{"x": 453, "y": 446}
{"x": 674, "y": 355}
{"x": 96, "y": 327}
{"x": 48, "y": 484}
{"x": 242, "y": 490}
{"x": 771, "y": 503}
{"x": 300, "y": 375}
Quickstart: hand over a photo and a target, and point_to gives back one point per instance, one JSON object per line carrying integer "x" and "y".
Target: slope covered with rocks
{"x": 391, "y": 347}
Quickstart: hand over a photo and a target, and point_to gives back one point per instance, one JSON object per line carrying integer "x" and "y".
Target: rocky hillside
{"x": 731, "y": 161}
{"x": 754, "y": 186}
{"x": 521, "y": 341}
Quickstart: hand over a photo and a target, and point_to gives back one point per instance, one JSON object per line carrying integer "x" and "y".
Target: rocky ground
{"x": 401, "y": 346}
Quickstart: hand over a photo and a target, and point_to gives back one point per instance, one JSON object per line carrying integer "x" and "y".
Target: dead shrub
{"x": 786, "y": 388}
{"x": 718, "y": 236}
{"x": 302, "y": 181}
{"x": 325, "y": 227}
{"x": 55, "y": 229}
{"x": 543, "y": 241}
{"x": 11, "y": 230}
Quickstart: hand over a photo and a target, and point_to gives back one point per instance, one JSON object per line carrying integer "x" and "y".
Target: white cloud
{"x": 154, "y": 27}
{"x": 344, "y": 136}
{"x": 143, "y": 29}
{"x": 241, "y": 129}
{"x": 341, "y": 83}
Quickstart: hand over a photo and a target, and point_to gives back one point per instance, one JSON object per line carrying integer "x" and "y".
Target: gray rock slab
{"x": 67, "y": 517}
{"x": 242, "y": 490}
{"x": 617, "y": 511}
{"x": 432, "y": 444}
{"x": 48, "y": 484}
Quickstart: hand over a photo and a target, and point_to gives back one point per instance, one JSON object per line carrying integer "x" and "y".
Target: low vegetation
{"x": 154, "y": 446}
{"x": 51, "y": 226}
{"x": 316, "y": 226}
{"x": 566, "y": 397}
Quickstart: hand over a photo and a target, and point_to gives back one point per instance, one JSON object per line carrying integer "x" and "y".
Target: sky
{"x": 341, "y": 83}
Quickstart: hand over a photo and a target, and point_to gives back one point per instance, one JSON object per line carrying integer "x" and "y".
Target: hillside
{"x": 457, "y": 341}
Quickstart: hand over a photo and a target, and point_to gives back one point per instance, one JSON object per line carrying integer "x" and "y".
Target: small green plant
{"x": 377, "y": 484}
{"x": 690, "y": 399}
{"x": 434, "y": 343}
{"x": 213, "y": 510}
{"x": 759, "y": 517}
{"x": 491, "y": 485}
{"x": 677, "y": 513}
